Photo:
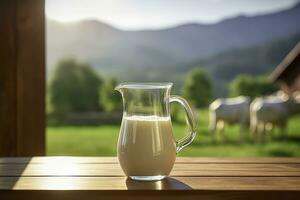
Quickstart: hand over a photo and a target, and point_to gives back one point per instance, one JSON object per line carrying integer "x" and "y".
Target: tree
{"x": 111, "y": 99}
{"x": 251, "y": 86}
{"x": 74, "y": 87}
{"x": 197, "y": 88}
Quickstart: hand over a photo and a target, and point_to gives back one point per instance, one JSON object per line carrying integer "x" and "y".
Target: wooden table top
{"x": 212, "y": 177}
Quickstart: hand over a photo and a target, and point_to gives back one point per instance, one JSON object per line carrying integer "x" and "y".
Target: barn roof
{"x": 289, "y": 69}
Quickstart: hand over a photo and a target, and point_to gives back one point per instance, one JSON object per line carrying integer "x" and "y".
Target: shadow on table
{"x": 11, "y": 170}
{"x": 165, "y": 184}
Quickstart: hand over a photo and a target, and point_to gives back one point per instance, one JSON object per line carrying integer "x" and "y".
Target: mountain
{"x": 113, "y": 50}
{"x": 258, "y": 60}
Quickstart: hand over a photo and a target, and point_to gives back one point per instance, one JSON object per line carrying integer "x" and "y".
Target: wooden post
{"x": 22, "y": 78}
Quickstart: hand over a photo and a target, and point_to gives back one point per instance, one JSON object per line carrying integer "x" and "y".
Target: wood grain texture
{"x": 31, "y": 77}
{"x": 22, "y": 78}
{"x": 8, "y": 96}
{"x": 146, "y": 195}
{"x": 179, "y": 169}
{"x": 190, "y": 160}
{"x": 171, "y": 183}
{"x": 192, "y": 178}
{"x": 109, "y": 167}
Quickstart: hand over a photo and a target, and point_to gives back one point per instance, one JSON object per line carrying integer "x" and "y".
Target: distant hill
{"x": 111, "y": 50}
{"x": 257, "y": 60}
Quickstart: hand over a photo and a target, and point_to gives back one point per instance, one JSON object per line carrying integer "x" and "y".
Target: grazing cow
{"x": 272, "y": 112}
{"x": 231, "y": 111}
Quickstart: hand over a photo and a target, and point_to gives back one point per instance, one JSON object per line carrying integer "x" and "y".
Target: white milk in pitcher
{"x": 146, "y": 146}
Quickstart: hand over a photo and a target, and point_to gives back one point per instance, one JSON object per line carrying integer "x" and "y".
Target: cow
{"x": 269, "y": 112}
{"x": 230, "y": 111}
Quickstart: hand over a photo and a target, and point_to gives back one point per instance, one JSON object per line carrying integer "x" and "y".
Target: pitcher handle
{"x": 190, "y": 122}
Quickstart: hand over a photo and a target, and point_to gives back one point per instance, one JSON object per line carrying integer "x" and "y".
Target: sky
{"x": 154, "y": 14}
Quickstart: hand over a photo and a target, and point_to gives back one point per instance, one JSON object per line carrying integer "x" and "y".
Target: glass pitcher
{"x": 146, "y": 145}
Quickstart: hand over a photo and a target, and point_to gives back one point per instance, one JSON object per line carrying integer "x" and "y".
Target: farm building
{"x": 287, "y": 73}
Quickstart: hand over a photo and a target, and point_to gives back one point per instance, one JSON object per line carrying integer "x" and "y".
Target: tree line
{"x": 75, "y": 87}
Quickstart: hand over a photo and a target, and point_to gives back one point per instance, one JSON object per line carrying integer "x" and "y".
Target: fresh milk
{"x": 146, "y": 146}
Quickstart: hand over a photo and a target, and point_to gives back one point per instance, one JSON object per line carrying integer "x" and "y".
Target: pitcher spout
{"x": 119, "y": 88}
{"x": 145, "y": 99}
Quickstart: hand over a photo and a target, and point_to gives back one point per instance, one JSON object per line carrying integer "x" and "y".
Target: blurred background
{"x": 210, "y": 49}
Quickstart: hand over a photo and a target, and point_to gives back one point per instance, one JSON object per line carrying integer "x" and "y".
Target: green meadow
{"x": 102, "y": 140}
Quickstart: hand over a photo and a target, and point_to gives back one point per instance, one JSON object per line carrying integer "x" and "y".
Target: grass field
{"x": 102, "y": 140}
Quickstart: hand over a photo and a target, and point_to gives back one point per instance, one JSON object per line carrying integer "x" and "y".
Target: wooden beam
{"x": 8, "y": 95}
{"x": 31, "y": 77}
{"x": 22, "y": 85}
{"x": 289, "y": 69}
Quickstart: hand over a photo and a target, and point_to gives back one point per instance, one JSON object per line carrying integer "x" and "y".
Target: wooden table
{"x": 192, "y": 178}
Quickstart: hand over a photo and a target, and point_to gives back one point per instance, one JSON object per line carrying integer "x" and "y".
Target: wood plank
{"x": 8, "y": 96}
{"x": 51, "y": 159}
{"x": 180, "y": 169}
{"x": 269, "y": 160}
{"x": 22, "y": 78}
{"x": 90, "y": 160}
{"x": 98, "y": 178}
{"x": 146, "y": 195}
{"x": 30, "y": 29}
{"x": 174, "y": 183}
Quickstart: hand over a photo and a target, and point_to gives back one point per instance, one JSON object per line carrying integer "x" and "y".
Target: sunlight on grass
{"x": 102, "y": 140}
